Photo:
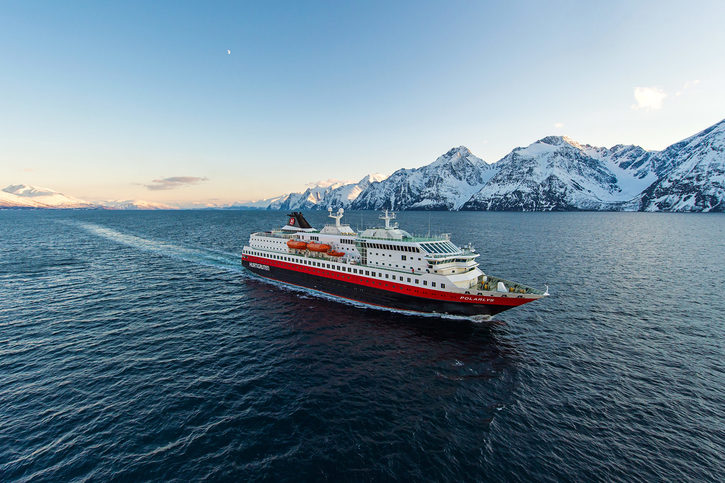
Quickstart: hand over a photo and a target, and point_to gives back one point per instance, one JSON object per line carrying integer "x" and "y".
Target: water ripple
{"x": 134, "y": 347}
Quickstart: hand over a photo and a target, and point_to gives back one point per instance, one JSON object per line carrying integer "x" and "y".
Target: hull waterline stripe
{"x": 385, "y": 284}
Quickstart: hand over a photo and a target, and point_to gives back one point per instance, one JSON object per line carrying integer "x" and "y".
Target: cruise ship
{"x": 383, "y": 267}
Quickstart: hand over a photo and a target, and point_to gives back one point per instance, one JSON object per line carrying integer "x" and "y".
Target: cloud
{"x": 229, "y": 52}
{"x": 691, "y": 83}
{"x": 558, "y": 125}
{"x": 648, "y": 98}
{"x": 174, "y": 182}
{"x": 687, "y": 85}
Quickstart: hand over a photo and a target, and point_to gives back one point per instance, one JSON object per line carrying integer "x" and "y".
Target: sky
{"x": 216, "y": 102}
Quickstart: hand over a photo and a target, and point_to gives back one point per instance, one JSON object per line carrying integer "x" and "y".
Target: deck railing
{"x": 517, "y": 287}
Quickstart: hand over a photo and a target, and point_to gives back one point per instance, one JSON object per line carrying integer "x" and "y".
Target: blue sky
{"x": 99, "y": 99}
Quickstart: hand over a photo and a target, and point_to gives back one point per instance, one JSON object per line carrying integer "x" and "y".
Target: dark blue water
{"x": 133, "y": 346}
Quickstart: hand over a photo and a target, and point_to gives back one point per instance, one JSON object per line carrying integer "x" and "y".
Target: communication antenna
{"x": 336, "y": 217}
{"x": 387, "y": 217}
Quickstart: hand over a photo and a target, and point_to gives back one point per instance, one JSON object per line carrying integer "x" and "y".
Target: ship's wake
{"x": 232, "y": 262}
{"x": 334, "y": 298}
{"x": 199, "y": 256}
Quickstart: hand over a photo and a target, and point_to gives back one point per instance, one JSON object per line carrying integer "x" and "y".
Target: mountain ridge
{"x": 554, "y": 173}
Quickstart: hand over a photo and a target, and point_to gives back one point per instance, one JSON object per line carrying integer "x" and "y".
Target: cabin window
{"x": 386, "y": 275}
{"x": 408, "y": 279}
{"x": 367, "y": 272}
{"x": 443, "y": 285}
{"x": 433, "y": 283}
{"x": 417, "y": 281}
{"x": 425, "y": 282}
{"x": 402, "y": 257}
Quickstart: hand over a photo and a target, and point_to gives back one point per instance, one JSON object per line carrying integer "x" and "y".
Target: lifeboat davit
{"x": 318, "y": 247}
{"x": 296, "y": 244}
{"x": 333, "y": 253}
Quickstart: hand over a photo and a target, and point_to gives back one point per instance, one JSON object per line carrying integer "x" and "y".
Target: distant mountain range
{"x": 26, "y": 196}
{"x": 554, "y": 173}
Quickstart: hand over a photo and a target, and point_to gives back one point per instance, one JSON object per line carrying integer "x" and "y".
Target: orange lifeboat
{"x": 333, "y": 253}
{"x": 318, "y": 247}
{"x": 296, "y": 244}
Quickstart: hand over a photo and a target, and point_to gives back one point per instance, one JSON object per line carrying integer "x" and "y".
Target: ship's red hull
{"x": 379, "y": 292}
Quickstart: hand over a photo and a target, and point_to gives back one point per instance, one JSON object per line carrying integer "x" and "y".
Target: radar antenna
{"x": 387, "y": 217}
{"x": 336, "y": 217}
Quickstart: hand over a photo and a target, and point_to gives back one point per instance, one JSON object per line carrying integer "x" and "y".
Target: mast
{"x": 387, "y": 217}
{"x": 336, "y": 217}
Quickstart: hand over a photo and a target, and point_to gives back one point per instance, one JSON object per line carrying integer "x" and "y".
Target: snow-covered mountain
{"x": 694, "y": 175}
{"x": 553, "y": 173}
{"x": 557, "y": 174}
{"x": 26, "y": 196}
{"x": 258, "y": 204}
{"x": 10, "y": 200}
{"x": 445, "y": 184}
{"x": 136, "y": 205}
{"x": 330, "y": 194}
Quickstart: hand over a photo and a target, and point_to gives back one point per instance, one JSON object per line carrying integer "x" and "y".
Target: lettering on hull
{"x": 378, "y": 296}
{"x": 486, "y": 300}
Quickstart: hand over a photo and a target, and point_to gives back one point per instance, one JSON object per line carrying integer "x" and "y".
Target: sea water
{"x": 134, "y": 346}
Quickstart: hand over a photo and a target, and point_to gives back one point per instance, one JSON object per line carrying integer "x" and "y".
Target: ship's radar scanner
{"x": 387, "y": 217}
{"x": 336, "y": 217}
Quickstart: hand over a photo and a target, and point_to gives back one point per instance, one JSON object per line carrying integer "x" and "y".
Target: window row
{"x": 386, "y": 246}
{"x": 340, "y": 268}
{"x": 440, "y": 247}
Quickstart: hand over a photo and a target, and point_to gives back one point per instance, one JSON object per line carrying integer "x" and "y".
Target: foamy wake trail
{"x": 200, "y": 256}
{"x": 232, "y": 262}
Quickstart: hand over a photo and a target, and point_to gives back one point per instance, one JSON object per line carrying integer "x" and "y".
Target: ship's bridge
{"x": 386, "y": 234}
{"x": 390, "y": 232}
{"x": 442, "y": 247}
{"x": 338, "y": 228}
